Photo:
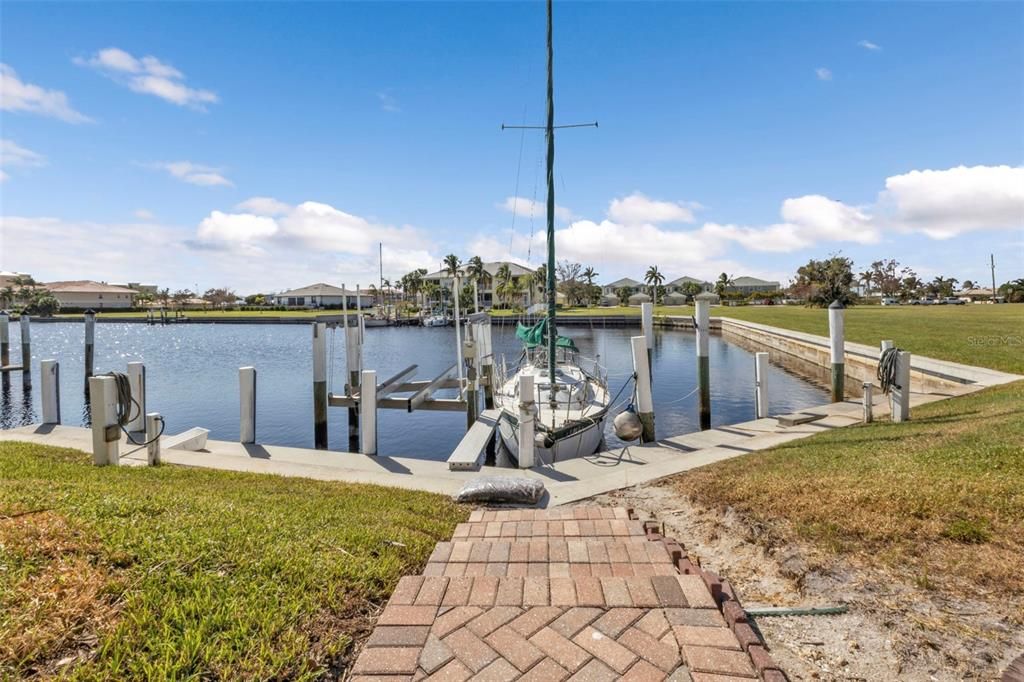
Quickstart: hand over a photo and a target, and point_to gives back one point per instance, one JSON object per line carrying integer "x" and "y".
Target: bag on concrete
{"x": 506, "y": 489}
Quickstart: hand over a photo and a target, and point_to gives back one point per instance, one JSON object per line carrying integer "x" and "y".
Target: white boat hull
{"x": 580, "y": 444}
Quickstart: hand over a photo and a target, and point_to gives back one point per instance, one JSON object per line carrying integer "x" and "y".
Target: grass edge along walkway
{"x": 175, "y": 572}
{"x": 939, "y": 499}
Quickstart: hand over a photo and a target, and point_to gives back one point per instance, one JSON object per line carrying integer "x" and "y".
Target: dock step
{"x": 798, "y": 418}
{"x": 193, "y": 439}
{"x": 472, "y": 446}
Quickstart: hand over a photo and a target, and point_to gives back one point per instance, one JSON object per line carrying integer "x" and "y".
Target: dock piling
{"x": 26, "y": 350}
{"x": 137, "y": 379}
{"x": 320, "y": 385}
{"x": 106, "y": 434}
{"x": 647, "y": 320}
{"x": 5, "y": 345}
{"x": 49, "y": 376}
{"x": 644, "y": 399}
{"x": 354, "y": 365}
{"x": 247, "y": 404}
{"x": 702, "y": 302}
{"x": 487, "y": 365}
{"x": 837, "y": 346}
{"x": 472, "y": 397}
{"x": 153, "y": 422}
{"x": 761, "y": 385}
{"x": 90, "y": 344}
{"x": 527, "y": 414}
{"x": 869, "y": 407}
{"x": 368, "y": 413}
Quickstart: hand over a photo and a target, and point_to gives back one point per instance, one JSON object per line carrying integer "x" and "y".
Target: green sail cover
{"x": 537, "y": 334}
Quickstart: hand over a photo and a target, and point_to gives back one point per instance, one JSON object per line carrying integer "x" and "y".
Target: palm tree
{"x": 452, "y": 264}
{"x": 654, "y": 278}
{"x": 866, "y": 278}
{"x": 589, "y": 275}
{"x": 723, "y": 283}
{"x": 7, "y": 297}
{"x": 514, "y": 291}
{"x": 476, "y": 273}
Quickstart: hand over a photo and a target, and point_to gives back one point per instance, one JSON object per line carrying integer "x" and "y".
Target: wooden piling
{"x": 247, "y": 404}
{"x": 368, "y": 412}
{"x": 527, "y": 415}
{"x": 320, "y": 385}
{"x": 644, "y": 399}
{"x": 837, "y": 346}
{"x": 137, "y": 380}
{"x": 761, "y": 385}
{"x": 26, "y": 350}
{"x": 106, "y": 434}
{"x": 869, "y": 408}
{"x": 647, "y": 321}
{"x": 5, "y": 346}
{"x": 49, "y": 377}
{"x": 90, "y": 344}
{"x": 153, "y": 423}
{"x": 702, "y": 303}
{"x": 487, "y": 365}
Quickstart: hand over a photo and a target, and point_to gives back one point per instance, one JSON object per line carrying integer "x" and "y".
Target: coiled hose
{"x": 887, "y": 370}
{"x": 125, "y": 405}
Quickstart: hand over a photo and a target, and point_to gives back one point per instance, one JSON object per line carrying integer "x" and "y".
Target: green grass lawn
{"x": 941, "y": 496}
{"x": 982, "y": 335}
{"x": 180, "y": 573}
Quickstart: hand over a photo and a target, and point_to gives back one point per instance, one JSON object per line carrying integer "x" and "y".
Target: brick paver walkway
{"x": 581, "y": 593}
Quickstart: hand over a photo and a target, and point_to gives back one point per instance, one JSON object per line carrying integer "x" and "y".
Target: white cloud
{"x": 522, "y": 206}
{"x": 263, "y": 206}
{"x": 239, "y": 228}
{"x": 147, "y": 75}
{"x": 193, "y": 173}
{"x": 143, "y": 214}
{"x": 12, "y": 154}
{"x": 946, "y": 203}
{"x": 16, "y": 95}
{"x": 388, "y": 102}
{"x": 637, "y": 209}
{"x": 868, "y": 45}
{"x": 823, "y": 74}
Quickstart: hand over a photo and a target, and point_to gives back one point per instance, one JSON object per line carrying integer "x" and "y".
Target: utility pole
{"x": 992, "y": 265}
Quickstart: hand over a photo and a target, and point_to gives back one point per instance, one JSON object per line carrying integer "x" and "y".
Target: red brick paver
{"x": 580, "y": 593}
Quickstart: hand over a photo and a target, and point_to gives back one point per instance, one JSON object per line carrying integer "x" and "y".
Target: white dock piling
{"x": 647, "y": 320}
{"x": 761, "y": 385}
{"x": 837, "y": 346}
{"x": 527, "y": 415}
{"x": 702, "y": 302}
{"x": 247, "y": 404}
{"x": 49, "y": 376}
{"x": 5, "y": 345}
{"x": 487, "y": 365}
{"x": 353, "y": 365}
{"x": 320, "y": 385}
{"x": 106, "y": 434}
{"x": 137, "y": 379}
{"x": 368, "y": 413}
{"x": 90, "y": 345}
{"x": 472, "y": 374}
{"x": 458, "y": 333}
{"x": 644, "y": 399}
{"x": 26, "y": 350}
{"x": 869, "y": 406}
{"x": 901, "y": 393}
{"x": 153, "y": 422}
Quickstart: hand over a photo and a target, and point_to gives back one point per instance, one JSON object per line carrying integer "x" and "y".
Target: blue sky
{"x": 738, "y": 137}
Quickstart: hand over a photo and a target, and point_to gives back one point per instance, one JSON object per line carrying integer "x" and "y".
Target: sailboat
{"x": 571, "y": 399}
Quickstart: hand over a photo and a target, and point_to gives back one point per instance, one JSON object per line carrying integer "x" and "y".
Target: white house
{"x": 486, "y": 285}
{"x": 321, "y": 295}
{"x": 750, "y": 285}
{"x": 89, "y": 294}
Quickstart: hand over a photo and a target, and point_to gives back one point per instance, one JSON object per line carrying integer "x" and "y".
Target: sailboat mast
{"x": 552, "y": 331}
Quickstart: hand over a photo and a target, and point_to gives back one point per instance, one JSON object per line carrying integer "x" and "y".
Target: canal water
{"x": 192, "y": 378}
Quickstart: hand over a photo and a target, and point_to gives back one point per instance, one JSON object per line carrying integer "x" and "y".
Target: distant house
{"x": 610, "y": 289}
{"x": 321, "y": 295}
{"x": 86, "y": 293}
{"x": 976, "y": 294}
{"x": 680, "y": 283}
{"x": 751, "y": 285}
{"x": 138, "y": 286}
{"x": 486, "y": 288}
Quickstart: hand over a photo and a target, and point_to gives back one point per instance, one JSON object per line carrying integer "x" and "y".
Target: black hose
{"x": 125, "y": 403}
{"x": 887, "y": 370}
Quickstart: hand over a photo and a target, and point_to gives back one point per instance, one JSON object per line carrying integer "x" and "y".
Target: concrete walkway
{"x": 566, "y": 481}
{"x": 582, "y": 593}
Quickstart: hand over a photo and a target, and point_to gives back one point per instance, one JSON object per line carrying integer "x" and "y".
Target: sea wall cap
{"x": 836, "y": 305}
{"x": 706, "y": 296}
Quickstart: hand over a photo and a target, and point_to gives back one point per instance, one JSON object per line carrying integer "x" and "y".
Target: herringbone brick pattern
{"x": 581, "y": 593}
